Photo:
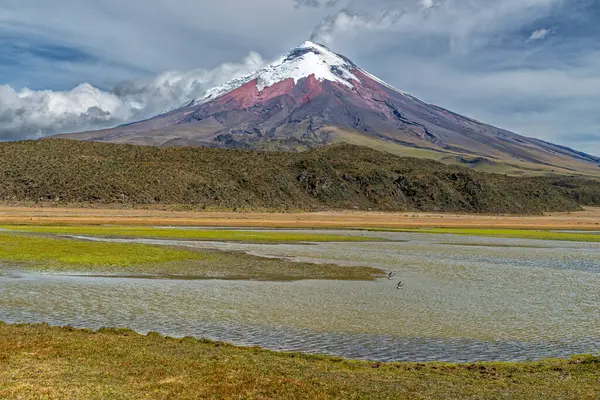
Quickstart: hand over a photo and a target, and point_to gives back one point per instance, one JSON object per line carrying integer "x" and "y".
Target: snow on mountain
{"x": 312, "y": 97}
{"x": 307, "y": 59}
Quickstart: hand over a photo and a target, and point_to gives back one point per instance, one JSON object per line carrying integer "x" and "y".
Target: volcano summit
{"x": 313, "y": 97}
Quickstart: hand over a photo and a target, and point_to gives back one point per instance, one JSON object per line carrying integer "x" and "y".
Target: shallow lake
{"x": 464, "y": 299}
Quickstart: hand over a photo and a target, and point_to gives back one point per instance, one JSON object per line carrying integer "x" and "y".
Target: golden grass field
{"x": 588, "y": 219}
{"x": 40, "y": 362}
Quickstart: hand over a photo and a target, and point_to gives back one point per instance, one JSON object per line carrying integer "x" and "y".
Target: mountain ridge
{"x": 333, "y": 177}
{"x": 312, "y": 97}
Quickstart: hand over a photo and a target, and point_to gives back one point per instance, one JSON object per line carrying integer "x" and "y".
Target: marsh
{"x": 466, "y": 298}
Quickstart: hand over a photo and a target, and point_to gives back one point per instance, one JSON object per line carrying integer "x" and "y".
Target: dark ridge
{"x": 332, "y": 177}
{"x": 292, "y": 55}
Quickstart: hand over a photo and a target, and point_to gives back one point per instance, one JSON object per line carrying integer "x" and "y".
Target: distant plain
{"x": 32, "y": 213}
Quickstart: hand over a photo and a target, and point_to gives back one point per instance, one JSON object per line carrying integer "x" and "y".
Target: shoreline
{"x": 64, "y": 362}
{"x": 218, "y": 343}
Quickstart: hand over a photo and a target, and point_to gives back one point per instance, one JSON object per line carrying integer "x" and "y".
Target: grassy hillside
{"x": 504, "y": 165}
{"x": 334, "y": 177}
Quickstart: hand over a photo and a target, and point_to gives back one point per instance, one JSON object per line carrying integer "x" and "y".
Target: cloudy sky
{"x": 532, "y": 66}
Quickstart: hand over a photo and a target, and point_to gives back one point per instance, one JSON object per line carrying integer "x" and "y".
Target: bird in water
{"x": 400, "y": 285}
{"x": 391, "y": 275}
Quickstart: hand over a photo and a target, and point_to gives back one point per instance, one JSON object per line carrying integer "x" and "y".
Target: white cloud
{"x": 316, "y": 3}
{"x": 32, "y": 114}
{"x": 429, "y": 4}
{"x": 344, "y": 22}
{"x": 465, "y": 55}
{"x": 426, "y": 3}
{"x": 465, "y": 25}
{"x": 539, "y": 34}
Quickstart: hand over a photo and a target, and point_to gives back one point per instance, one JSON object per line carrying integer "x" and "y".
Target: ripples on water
{"x": 462, "y": 301}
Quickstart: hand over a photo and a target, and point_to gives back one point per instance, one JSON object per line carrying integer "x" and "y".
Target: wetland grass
{"x": 64, "y": 255}
{"x": 183, "y": 234}
{"x": 42, "y": 362}
{"x": 508, "y": 233}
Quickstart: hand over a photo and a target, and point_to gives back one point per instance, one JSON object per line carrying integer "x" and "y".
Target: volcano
{"x": 313, "y": 97}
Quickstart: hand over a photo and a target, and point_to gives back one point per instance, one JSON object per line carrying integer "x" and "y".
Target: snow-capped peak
{"x": 312, "y": 45}
{"x": 307, "y": 59}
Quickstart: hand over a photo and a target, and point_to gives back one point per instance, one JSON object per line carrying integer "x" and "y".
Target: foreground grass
{"x": 50, "y": 254}
{"x": 189, "y": 234}
{"x": 40, "y": 362}
{"x": 509, "y": 233}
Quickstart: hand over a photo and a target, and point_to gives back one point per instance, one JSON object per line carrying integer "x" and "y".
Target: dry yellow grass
{"x": 589, "y": 219}
{"x": 39, "y": 362}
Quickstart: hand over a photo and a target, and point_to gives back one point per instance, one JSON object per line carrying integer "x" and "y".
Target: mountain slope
{"x": 313, "y": 97}
{"x": 333, "y": 177}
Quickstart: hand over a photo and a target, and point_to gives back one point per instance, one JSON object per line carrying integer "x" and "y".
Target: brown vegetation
{"x": 334, "y": 177}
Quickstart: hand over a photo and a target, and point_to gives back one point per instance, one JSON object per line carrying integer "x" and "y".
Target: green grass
{"x": 54, "y": 252}
{"x": 184, "y": 234}
{"x": 40, "y": 362}
{"x": 29, "y": 252}
{"x": 510, "y": 233}
{"x": 357, "y": 138}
